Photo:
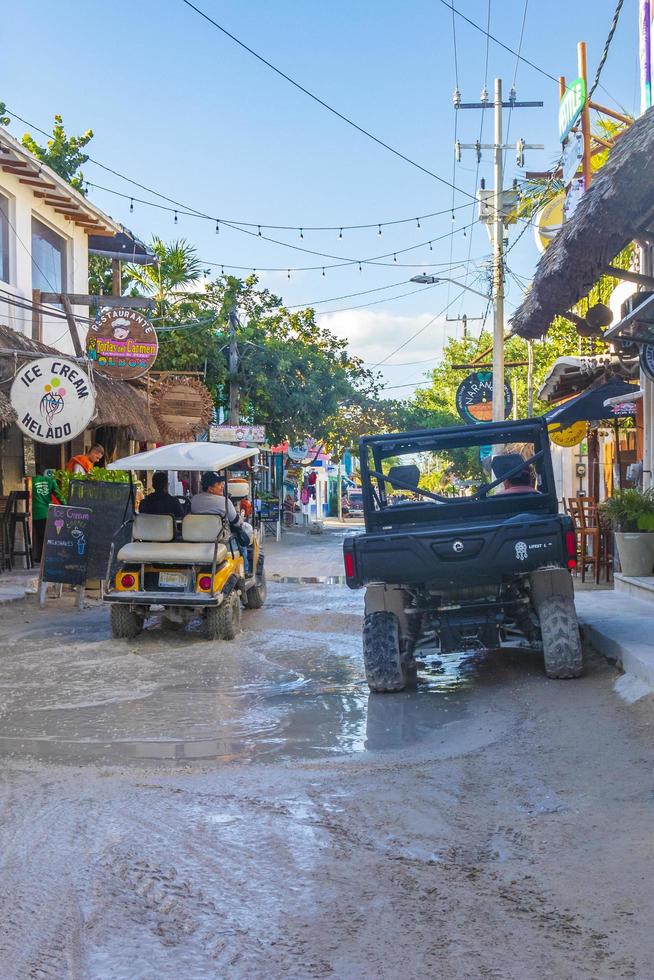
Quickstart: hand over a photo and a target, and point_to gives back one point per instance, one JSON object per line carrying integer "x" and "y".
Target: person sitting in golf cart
{"x": 160, "y": 501}
{"x": 213, "y": 500}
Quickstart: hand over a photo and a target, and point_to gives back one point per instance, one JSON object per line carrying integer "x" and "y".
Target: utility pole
{"x": 496, "y": 216}
{"x": 234, "y": 394}
{"x": 465, "y": 320}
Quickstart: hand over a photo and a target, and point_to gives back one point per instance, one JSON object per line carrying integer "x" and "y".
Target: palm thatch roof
{"x": 617, "y": 208}
{"x": 119, "y": 404}
{"x": 7, "y": 413}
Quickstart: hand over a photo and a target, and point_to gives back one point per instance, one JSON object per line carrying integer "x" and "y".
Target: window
{"x": 4, "y": 238}
{"x": 48, "y": 259}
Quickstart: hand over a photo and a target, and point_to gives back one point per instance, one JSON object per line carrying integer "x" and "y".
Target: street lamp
{"x": 424, "y": 279}
{"x": 498, "y": 345}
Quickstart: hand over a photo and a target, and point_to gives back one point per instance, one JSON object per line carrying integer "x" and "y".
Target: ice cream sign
{"x": 122, "y": 344}
{"x": 53, "y": 399}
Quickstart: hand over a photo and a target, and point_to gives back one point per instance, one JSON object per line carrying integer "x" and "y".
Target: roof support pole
{"x": 498, "y": 262}
{"x": 585, "y": 113}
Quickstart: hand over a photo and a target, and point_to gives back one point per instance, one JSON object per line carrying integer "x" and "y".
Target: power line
{"x": 316, "y": 98}
{"x": 607, "y": 45}
{"x": 418, "y": 332}
{"x": 491, "y": 37}
{"x": 386, "y": 299}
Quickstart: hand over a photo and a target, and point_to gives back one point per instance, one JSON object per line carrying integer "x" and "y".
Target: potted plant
{"x": 631, "y": 515}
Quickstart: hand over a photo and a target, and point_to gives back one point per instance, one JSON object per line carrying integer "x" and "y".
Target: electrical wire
{"x": 418, "y": 332}
{"x": 496, "y": 40}
{"x": 316, "y": 98}
{"x": 387, "y": 299}
{"x": 515, "y": 73}
{"x": 456, "y": 133}
{"x": 607, "y": 45}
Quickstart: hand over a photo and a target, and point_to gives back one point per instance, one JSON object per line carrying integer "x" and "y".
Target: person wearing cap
{"x": 212, "y": 499}
{"x": 160, "y": 501}
{"x": 521, "y": 481}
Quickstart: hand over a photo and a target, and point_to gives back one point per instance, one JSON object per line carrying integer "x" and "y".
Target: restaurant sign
{"x": 571, "y": 106}
{"x": 474, "y": 397}
{"x": 122, "y": 344}
{"x": 237, "y": 433}
{"x": 53, "y": 399}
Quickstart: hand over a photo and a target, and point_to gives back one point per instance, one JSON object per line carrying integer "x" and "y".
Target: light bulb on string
{"x": 217, "y": 226}
{"x": 131, "y": 204}
{"x": 464, "y": 233}
{"x": 222, "y": 270}
{"x": 288, "y": 273}
{"x": 417, "y": 222}
{"x": 360, "y": 267}
{"x": 323, "y": 272}
{"x": 379, "y": 233}
{"x": 175, "y": 217}
{"x": 430, "y": 248}
{"x": 259, "y": 230}
{"x": 453, "y": 218}
{"x": 340, "y": 233}
{"x": 301, "y": 233}
{"x": 394, "y": 257}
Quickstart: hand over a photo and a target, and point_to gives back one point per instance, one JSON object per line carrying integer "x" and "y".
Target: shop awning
{"x": 589, "y": 406}
{"x": 617, "y": 208}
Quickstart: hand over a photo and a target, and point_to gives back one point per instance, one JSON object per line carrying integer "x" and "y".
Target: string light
{"x": 340, "y": 233}
{"x": 379, "y": 232}
{"x": 323, "y": 272}
{"x": 394, "y": 257}
{"x": 430, "y": 248}
{"x": 301, "y": 233}
{"x": 217, "y": 227}
{"x": 259, "y": 230}
{"x": 417, "y": 222}
{"x": 131, "y": 204}
{"x": 360, "y": 267}
{"x": 288, "y": 274}
{"x": 175, "y": 217}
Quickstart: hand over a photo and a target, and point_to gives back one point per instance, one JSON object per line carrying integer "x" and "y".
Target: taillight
{"x": 127, "y": 581}
{"x": 349, "y": 564}
{"x": 204, "y": 583}
{"x": 571, "y": 548}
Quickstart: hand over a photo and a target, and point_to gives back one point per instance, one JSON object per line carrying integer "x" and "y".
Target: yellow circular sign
{"x": 549, "y": 221}
{"x": 572, "y": 435}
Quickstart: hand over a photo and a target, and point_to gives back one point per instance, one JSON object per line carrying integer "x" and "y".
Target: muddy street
{"x": 171, "y": 807}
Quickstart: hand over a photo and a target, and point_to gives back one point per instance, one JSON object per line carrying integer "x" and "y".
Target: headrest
{"x": 506, "y": 462}
{"x": 407, "y": 474}
{"x": 238, "y": 488}
{"x": 153, "y": 527}
{"x": 201, "y": 527}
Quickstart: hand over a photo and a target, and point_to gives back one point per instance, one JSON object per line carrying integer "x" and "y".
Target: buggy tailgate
{"x": 468, "y": 555}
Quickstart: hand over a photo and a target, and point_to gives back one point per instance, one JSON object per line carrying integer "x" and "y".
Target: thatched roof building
{"x": 617, "y": 209}
{"x": 119, "y": 404}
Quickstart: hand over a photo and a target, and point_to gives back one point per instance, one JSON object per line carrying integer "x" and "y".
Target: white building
{"x": 44, "y": 243}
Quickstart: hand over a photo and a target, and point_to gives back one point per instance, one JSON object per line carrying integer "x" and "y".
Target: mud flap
{"x": 548, "y": 582}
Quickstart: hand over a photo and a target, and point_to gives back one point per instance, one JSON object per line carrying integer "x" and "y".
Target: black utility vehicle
{"x": 463, "y": 548}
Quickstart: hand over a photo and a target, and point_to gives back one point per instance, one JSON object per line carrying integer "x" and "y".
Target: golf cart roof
{"x": 201, "y": 456}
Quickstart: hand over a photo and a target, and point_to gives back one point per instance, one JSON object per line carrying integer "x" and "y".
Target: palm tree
{"x": 177, "y": 268}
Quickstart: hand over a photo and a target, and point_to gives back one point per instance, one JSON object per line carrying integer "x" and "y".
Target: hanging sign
{"x": 122, "y": 344}
{"x": 237, "y": 433}
{"x": 474, "y": 397}
{"x": 647, "y": 360}
{"x": 182, "y": 408}
{"x": 53, "y": 399}
{"x": 569, "y": 436}
{"x": 571, "y": 106}
{"x": 549, "y": 221}
{"x": 573, "y": 154}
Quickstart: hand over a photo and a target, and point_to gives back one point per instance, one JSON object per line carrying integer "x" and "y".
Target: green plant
{"x": 63, "y": 477}
{"x": 630, "y": 510}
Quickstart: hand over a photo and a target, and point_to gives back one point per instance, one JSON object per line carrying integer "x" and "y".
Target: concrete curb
{"x": 621, "y": 629}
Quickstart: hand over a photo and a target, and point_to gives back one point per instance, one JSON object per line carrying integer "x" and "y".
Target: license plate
{"x": 172, "y": 580}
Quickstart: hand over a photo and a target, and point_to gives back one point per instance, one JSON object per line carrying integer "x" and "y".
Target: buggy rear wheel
{"x": 256, "y": 594}
{"x": 560, "y": 635}
{"x": 223, "y": 622}
{"x": 125, "y": 624}
{"x": 382, "y": 655}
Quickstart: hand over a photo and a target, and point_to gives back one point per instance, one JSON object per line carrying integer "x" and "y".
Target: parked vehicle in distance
{"x": 355, "y": 503}
{"x": 473, "y": 564}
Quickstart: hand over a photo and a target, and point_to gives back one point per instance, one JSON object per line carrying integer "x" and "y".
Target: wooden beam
{"x": 116, "y": 277}
{"x": 627, "y": 276}
{"x": 102, "y": 232}
{"x": 611, "y": 112}
{"x": 36, "y": 182}
{"x": 37, "y": 320}
{"x": 608, "y": 144}
{"x": 86, "y": 299}
{"x": 10, "y": 168}
{"x": 72, "y": 324}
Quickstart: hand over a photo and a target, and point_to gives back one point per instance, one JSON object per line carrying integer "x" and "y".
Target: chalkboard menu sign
{"x": 111, "y": 505}
{"x": 66, "y": 545}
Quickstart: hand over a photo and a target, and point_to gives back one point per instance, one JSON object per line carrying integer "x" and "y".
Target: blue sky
{"x": 179, "y": 107}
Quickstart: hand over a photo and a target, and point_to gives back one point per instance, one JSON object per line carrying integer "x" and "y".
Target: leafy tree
{"x": 65, "y": 154}
{"x": 4, "y": 118}
{"x": 169, "y": 280}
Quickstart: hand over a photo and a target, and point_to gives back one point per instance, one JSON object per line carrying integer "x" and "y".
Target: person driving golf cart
{"x": 214, "y": 500}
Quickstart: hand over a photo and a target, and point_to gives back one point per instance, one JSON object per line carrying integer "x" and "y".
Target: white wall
{"x": 23, "y": 205}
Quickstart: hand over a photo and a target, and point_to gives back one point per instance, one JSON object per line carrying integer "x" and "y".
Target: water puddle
{"x": 308, "y": 579}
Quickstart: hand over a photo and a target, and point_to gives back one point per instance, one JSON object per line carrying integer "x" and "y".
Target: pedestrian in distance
{"x": 45, "y": 491}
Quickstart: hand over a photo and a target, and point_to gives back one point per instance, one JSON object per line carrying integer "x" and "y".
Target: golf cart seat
{"x": 152, "y": 541}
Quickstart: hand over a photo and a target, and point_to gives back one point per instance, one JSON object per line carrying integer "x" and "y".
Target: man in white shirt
{"x": 212, "y": 499}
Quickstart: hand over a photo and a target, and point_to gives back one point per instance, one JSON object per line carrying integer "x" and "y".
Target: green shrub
{"x": 630, "y": 510}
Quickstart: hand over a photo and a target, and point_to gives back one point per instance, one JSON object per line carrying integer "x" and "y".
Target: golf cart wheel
{"x": 224, "y": 621}
{"x": 256, "y": 594}
{"x": 125, "y": 624}
{"x": 560, "y": 635}
{"x": 381, "y": 653}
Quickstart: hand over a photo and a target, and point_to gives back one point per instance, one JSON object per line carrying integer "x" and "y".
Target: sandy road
{"x": 171, "y": 808}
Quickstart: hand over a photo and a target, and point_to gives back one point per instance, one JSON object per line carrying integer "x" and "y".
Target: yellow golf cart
{"x": 190, "y": 568}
